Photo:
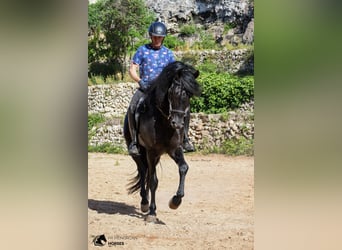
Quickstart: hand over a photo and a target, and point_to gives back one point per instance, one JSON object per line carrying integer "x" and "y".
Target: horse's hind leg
{"x": 153, "y": 184}
{"x": 183, "y": 167}
{"x": 143, "y": 194}
{"x": 142, "y": 168}
{"x": 144, "y": 204}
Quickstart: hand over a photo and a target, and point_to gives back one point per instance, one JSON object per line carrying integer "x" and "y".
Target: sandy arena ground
{"x": 217, "y": 211}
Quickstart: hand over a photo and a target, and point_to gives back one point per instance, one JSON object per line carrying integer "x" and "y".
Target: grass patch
{"x": 233, "y": 147}
{"x": 241, "y": 146}
{"x": 94, "y": 119}
{"x": 111, "y": 79}
{"x": 224, "y": 116}
{"x": 107, "y": 148}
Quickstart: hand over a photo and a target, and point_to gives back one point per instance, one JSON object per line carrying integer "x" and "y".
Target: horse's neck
{"x": 163, "y": 107}
{"x": 160, "y": 94}
{"x": 159, "y": 97}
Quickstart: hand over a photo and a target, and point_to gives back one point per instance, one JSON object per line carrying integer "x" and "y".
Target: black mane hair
{"x": 182, "y": 73}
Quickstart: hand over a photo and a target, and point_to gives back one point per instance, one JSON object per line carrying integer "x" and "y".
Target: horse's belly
{"x": 160, "y": 139}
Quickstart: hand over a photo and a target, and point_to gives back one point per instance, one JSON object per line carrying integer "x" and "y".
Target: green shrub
{"x": 137, "y": 44}
{"x": 187, "y": 30}
{"x": 207, "y": 41}
{"x": 173, "y": 42}
{"x": 222, "y": 92}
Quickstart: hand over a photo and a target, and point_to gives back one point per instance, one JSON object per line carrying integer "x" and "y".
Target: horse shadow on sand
{"x": 113, "y": 207}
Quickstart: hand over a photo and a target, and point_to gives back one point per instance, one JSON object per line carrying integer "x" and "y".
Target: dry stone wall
{"x": 205, "y": 130}
{"x": 110, "y": 100}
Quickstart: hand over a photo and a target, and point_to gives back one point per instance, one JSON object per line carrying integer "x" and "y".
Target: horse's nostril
{"x": 177, "y": 125}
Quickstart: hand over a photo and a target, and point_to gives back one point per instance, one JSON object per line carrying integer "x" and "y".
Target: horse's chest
{"x": 164, "y": 133}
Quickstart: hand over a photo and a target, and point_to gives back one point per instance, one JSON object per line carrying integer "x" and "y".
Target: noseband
{"x": 177, "y": 111}
{"x": 168, "y": 117}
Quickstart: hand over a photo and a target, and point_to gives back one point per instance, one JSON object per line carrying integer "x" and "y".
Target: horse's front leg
{"x": 183, "y": 167}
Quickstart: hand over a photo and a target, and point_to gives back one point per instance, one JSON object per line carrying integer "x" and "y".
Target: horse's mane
{"x": 184, "y": 74}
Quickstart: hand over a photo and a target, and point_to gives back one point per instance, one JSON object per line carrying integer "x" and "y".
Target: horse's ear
{"x": 196, "y": 73}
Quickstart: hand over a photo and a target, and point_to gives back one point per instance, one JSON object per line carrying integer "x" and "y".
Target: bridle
{"x": 172, "y": 110}
{"x": 177, "y": 111}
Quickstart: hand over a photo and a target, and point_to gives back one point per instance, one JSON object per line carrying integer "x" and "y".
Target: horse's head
{"x": 179, "y": 105}
{"x": 172, "y": 91}
{"x": 184, "y": 86}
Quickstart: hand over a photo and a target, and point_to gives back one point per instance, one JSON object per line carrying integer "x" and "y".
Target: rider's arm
{"x": 133, "y": 72}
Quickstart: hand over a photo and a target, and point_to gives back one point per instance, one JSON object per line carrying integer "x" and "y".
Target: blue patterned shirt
{"x": 151, "y": 61}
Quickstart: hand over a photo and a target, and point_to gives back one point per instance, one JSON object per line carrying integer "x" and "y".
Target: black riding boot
{"x": 187, "y": 146}
{"x": 132, "y": 148}
{"x": 134, "y": 121}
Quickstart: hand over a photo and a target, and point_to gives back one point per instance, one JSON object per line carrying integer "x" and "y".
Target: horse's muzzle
{"x": 177, "y": 123}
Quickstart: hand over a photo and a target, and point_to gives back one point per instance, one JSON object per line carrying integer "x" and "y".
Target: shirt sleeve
{"x": 171, "y": 56}
{"x": 137, "y": 58}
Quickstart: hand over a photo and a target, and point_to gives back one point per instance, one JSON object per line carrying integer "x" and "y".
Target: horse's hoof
{"x": 144, "y": 207}
{"x": 151, "y": 218}
{"x": 175, "y": 202}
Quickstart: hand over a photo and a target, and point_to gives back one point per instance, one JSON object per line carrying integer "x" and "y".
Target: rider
{"x": 150, "y": 60}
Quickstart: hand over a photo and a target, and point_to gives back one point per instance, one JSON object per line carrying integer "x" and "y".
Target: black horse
{"x": 161, "y": 130}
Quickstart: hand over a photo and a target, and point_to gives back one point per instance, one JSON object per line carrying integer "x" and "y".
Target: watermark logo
{"x": 100, "y": 240}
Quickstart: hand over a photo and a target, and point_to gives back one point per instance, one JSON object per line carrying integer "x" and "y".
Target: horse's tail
{"x": 136, "y": 182}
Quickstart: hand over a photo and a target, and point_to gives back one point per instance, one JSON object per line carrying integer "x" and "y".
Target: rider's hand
{"x": 143, "y": 85}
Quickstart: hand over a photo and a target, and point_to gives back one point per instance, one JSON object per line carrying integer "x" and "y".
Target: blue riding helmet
{"x": 157, "y": 29}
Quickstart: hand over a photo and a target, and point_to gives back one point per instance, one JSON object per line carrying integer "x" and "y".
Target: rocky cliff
{"x": 212, "y": 14}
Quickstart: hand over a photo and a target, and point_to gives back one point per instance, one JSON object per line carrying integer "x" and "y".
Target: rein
{"x": 162, "y": 112}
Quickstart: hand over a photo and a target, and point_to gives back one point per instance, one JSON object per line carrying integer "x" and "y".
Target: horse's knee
{"x": 183, "y": 168}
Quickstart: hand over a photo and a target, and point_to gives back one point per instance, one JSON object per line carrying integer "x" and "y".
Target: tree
{"x": 113, "y": 26}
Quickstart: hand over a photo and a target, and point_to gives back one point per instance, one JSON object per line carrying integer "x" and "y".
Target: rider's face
{"x": 157, "y": 41}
